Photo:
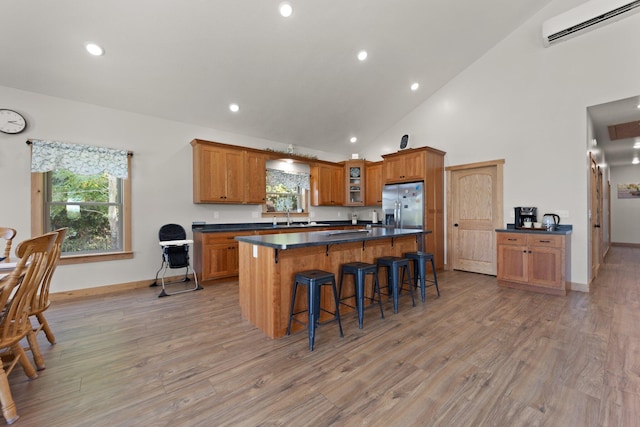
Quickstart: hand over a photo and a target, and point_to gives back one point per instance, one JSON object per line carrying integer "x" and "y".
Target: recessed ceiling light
{"x": 636, "y": 145}
{"x": 635, "y": 161}
{"x": 94, "y": 49}
{"x": 362, "y": 55}
{"x": 353, "y": 140}
{"x": 638, "y": 106}
{"x": 415, "y": 86}
{"x": 234, "y": 107}
{"x": 285, "y": 9}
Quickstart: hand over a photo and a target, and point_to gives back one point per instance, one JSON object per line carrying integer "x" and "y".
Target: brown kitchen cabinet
{"x": 255, "y": 179}
{"x": 534, "y": 261}
{"x": 373, "y": 184}
{"x": 216, "y": 254}
{"x": 218, "y": 173}
{"x": 354, "y": 178}
{"x": 404, "y": 166}
{"x": 327, "y": 184}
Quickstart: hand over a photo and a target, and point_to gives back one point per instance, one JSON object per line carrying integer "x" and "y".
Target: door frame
{"x": 498, "y": 220}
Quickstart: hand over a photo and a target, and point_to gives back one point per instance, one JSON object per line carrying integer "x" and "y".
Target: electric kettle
{"x": 550, "y": 220}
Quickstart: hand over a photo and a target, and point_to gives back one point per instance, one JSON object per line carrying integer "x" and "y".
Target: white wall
{"x": 161, "y": 178}
{"x": 624, "y": 212}
{"x": 527, "y": 104}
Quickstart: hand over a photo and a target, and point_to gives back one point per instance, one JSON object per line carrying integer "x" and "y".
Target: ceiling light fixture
{"x": 415, "y": 86}
{"x": 285, "y": 9}
{"x": 362, "y": 55}
{"x": 635, "y": 161}
{"x": 636, "y": 145}
{"x": 234, "y": 107}
{"x": 94, "y": 49}
{"x": 353, "y": 140}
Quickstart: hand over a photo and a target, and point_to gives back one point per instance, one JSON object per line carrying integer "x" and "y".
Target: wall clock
{"x": 11, "y": 122}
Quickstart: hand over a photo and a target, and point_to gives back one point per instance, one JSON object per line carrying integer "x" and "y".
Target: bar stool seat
{"x": 395, "y": 280}
{"x": 314, "y": 280}
{"x": 420, "y": 271}
{"x": 360, "y": 271}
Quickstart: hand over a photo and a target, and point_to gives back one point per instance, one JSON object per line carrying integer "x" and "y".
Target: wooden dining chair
{"x": 7, "y": 234}
{"x": 40, "y": 302}
{"x": 15, "y": 296}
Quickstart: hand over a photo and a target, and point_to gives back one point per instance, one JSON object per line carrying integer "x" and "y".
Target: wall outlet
{"x": 255, "y": 214}
{"x": 216, "y": 214}
{"x": 312, "y": 214}
{"x": 563, "y": 214}
{"x": 339, "y": 214}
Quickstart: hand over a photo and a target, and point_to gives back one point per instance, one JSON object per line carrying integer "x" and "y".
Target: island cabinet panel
{"x": 267, "y": 274}
{"x": 534, "y": 261}
{"x": 373, "y": 184}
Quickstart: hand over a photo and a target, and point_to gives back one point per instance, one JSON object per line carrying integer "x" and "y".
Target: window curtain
{"x": 291, "y": 180}
{"x": 80, "y": 159}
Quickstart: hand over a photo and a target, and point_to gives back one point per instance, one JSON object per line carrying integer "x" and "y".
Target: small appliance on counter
{"x": 550, "y": 221}
{"x": 526, "y": 215}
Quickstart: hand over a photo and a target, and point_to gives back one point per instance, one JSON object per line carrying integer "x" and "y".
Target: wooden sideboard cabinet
{"x": 534, "y": 261}
{"x": 373, "y": 184}
{"x": 327, "y": 185}
{"x": 404, "y": 166}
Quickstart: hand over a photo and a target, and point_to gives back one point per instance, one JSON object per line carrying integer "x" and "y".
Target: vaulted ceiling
{"x": 296, "y": 80}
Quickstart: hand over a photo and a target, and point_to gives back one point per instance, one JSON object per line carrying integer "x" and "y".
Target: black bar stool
{"x": 360, "y": 271}
{"x": 395, "y": 280}
{"x": 420, "y": 270}
{"x": 314, "y": 280}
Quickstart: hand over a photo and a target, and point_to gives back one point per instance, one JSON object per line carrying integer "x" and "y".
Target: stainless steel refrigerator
{"x": 403, "y": 205}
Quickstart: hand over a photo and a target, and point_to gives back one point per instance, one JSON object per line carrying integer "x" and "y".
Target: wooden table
{"x": 269, "y": 262}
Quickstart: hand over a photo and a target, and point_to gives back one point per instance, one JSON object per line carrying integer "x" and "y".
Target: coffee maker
{"x": 528, "y": 214}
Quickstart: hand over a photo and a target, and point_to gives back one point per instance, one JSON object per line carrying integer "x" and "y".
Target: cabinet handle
{"x": 524, "y": 252}
{"x": 456, "y": 225}
{"x": 545, "y": 241}
{"x": 529, "y": 251}
{"x": 511, "y": 240}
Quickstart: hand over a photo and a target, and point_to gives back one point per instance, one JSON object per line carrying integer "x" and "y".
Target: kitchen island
{"x": 269, "y": 262}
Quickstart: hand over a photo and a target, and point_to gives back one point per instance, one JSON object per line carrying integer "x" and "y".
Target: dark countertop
{"x": 217, "y": 228}
{"x": 562, "y": 229}
{"x": 332, "y": 237}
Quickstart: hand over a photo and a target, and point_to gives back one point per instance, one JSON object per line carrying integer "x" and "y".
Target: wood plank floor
{"x": 480, "y": 355}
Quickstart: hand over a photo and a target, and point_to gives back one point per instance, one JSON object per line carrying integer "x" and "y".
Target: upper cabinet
{"x": 404, "y": 166}
{"x": 327, "y": 184}
{"x": 218, "y": 173}
{"x": 255, "y": 177}
{"x": 354, "y": 177}
{"x": 373, "y": 184}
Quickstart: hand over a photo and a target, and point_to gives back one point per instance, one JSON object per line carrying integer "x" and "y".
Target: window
{"x": 287, "y": 190}
{"x": 90, "y": 206}
{"x": 86, "y": 190}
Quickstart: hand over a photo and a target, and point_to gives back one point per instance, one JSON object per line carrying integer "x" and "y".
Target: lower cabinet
{"x": 534, "y": 261}
{"x": 216, "y": 254}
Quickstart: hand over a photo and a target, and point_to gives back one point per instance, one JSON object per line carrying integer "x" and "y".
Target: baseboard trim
{"x": 579, "y": 287}
{"x": 124, "y": 287}
{"x": 627, "y": 245}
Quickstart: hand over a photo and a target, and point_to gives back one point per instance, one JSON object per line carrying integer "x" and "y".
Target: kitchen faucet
{"x": 288, "y": 218}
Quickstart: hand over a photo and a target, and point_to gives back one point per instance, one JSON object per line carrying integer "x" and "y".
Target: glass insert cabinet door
{"x": 354, "y": 176}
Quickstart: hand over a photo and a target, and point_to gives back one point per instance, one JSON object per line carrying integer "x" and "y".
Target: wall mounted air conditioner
{"x": 586, "y": 17}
